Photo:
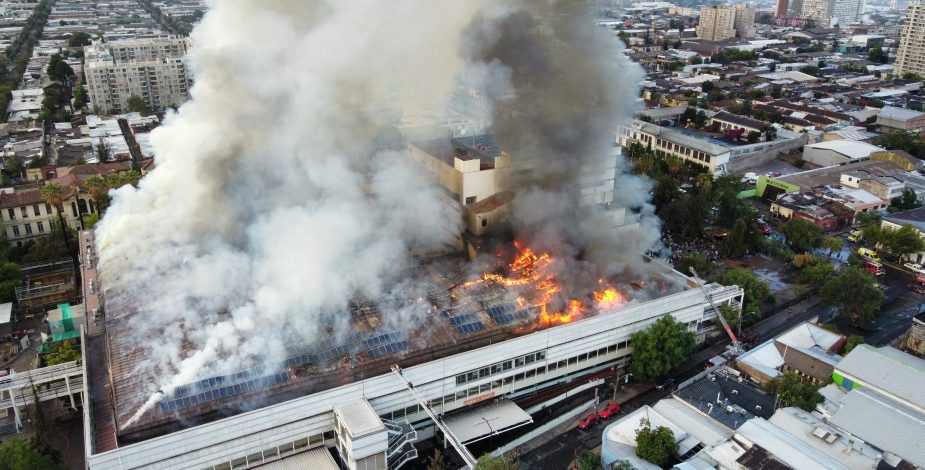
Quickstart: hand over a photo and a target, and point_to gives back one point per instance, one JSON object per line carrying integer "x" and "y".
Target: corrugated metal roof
{"x": 318, "y": 458}
{"x": 888, "y": 370}
{"x": 884, "y": 423}
{"x": 487, "y": 420}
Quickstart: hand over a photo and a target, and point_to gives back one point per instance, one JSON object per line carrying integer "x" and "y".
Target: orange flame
{"x": 529, "y": 272}
{"x": 608, "y": 298}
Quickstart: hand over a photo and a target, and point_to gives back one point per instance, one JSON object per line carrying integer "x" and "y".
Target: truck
{"x": 874, "y": 267}
{"x": 869, "y": 254}
{"x": 855, "y": 236}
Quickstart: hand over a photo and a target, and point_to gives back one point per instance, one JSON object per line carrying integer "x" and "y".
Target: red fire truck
{"x": 874, "y": 267}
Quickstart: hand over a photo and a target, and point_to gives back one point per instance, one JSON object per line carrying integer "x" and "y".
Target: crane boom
{"x": 701, "y": 283}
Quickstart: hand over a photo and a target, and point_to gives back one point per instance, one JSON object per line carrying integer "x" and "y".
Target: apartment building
{"x": 717, "y": 23}
{"x": 847, "y": 11}
{"x": 745, "y": 21}
{"x": 910, "y": 57}
{"x": 151, "y": 68}
{"x": 819, "y": 10}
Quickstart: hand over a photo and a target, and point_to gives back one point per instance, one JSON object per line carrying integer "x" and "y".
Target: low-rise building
{"x": 804, "y": 206}
{"x": 837, "y": 152}
{"x": 26, "y": 216}
{"x": 807, "y": 350}
{"x": 891, "y": 118}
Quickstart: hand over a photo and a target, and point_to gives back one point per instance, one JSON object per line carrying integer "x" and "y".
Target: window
{"x": 470, "y": 200}
{"x": 41, "y": 227}
{"x": 22, "y": 211}
{"x": 12, "y": 214}
{"x": 15, "y": 231}
{"x": 583, "y": 357}
{"x": 28, "y": 229}
{"x": 473, "y": 391}
{"x": 572, "y": 361}
{"x": 35, "y": 210}
{"x": 51, "y": 225}
{"x": 484, "y": 222}
{"x": 484, "y": 388}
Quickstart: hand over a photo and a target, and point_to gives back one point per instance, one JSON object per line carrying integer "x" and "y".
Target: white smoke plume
{"x": 279, "y": 195}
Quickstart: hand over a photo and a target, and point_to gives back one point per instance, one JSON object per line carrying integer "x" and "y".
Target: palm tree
{"x": 53, "y": 194}
{"x": 98, "y": 190}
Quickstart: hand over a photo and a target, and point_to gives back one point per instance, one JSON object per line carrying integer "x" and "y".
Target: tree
{"x": 63, "y": 352}
{"x": 137, "y": 104}
{"x": 20, "y": 455}
{"x": 735, "y": 245}
{"x": 79, "y": 39}
{"x": 622, "y": 465}
{"x": 905, "y": 201}
{"x": 753, "y": 136}
{"x": 791, "y": 391}
{"x": 10, "y": 277}
{"x": 59, "y": 70}
{"x": 802, "y": 234}
{"x": 436, "y": 462}
{"x": 756, "y": 290}
{"x": 103, "y": 150}
{"x": 487, "y": 462}
{"x": 707, "y": 86}
{"x": 855, "y": 292}
{"x": 80, "y": 97}
{"x": 660, "y": 348}
{"x": 903, "y": 241}
{"x": 852, "y": 342}
{"x": 588, "y": 460}
{"x": 903, "y": 140}
{"x": 817, "y": 273}
{"x": 833, "y": 244}
{"x": 53, "y": 194}
{"x": 876, "y": 54}
{"x": 868, "y": 219}
{"x": 698, "y": 261}
{"x": 810, "y": 70}
{"x": 655, "y": 445}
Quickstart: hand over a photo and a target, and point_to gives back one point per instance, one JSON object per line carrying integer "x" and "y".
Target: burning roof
{"x": 516, "y": 298}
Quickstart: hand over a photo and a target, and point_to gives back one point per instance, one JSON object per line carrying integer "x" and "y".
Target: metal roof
{"x": 899, "y": 114}
{"x": 5, "y": 311}
{"x": 882, "y": 422}
{"x": 318, "y": 458}
{"x": 359, "y": 417}
{"x": 487, "y": 420}
{"x": 888, "y": 370}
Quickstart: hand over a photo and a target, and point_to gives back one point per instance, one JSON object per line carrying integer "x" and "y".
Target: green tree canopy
{"x": 660, "y": 348}
{"x": 833, "y": 244}
{"x": 487, "y": 462}
{"x": 868, "y": 219}
{"x": 79, "y": 39}
{"x": 905, "y": 201}
{"x": 903, "y": 140}
{"x": 855, "y": 293}
{"x": 852, "y": 342}
{"x": 63, "y": 352}
{"x": 903, "y": 241}
{"x": 756, "y": 290}
{"x": 655, "y": 445}
{"x": 80, "y": 96}
{"x": 10, "y": 278}
{"x": 791, "y": 391}
{"x": 802, "y": 234}
{"x": 137, "y": 104}
{"x": 876, "y": 54}
{"x": 588, "y": 460}
{"x": 19, "y": 455}
{"x": 817, "y": 273}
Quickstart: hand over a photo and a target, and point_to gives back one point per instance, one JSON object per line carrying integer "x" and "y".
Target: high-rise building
{"x": 847, "y": 11}
{"x": 152, "y": 69}
{"x": 910, "y": 58}
{"x": 745, "y": 21}
{"x": 819, "y": 10}
{"x": 717, "y": 23}
{"x": 782, "y": 6}
{"x": 796, "y": 7}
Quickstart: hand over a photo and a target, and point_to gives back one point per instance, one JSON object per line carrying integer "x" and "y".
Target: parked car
{"x": 855, "y": 236}
{"x": 609, "y": 411}
{"x": 587, "y": 421}
{"x": 666, "y": 384}
{"x": 915, "y": 267}
{"x": 867, "y": 253}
